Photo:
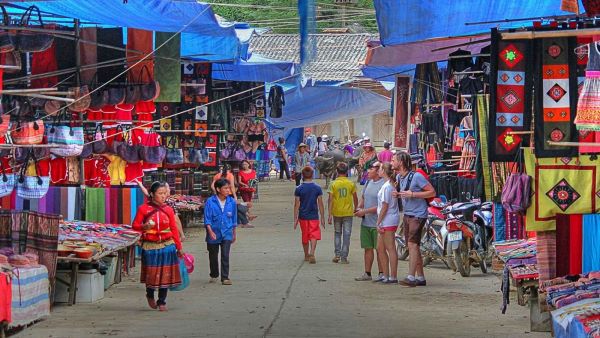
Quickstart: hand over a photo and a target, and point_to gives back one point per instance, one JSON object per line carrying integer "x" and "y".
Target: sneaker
{"x": 407, "y": 282}
{"x": 363, "y": 278}
{"x": 226, "y": 282}
{"x": 213, "y": 280}
{"x": 312, "y": 259}
{"x": 421, "y": 282}
{"x": 390, "y": 281}
{"x": 336, "y": 259}
{"x": 380, "y": 279}
{"x": 344, "y": 261}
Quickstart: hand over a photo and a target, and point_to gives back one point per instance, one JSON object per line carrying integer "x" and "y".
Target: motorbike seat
{"x": 487, "y": 206}
{"x": 461, "y": 208}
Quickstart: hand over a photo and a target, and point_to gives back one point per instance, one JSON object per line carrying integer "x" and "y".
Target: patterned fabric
{"x": 65, "y": 201}
{"x": 554, "y": 114}
{"x": 30, "y": 298}
{"x": 546, "y": 254}
{"x": 561, "y": 185}
{"x": 481, "y": 115}
{"x": 515, "y": 226}
{"x": 588, "y": 105}
{"x": 510, "y": 104}
{"x": 160, "y": 268}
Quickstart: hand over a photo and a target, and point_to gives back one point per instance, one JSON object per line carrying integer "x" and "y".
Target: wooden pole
{"x": 550, "y": 34}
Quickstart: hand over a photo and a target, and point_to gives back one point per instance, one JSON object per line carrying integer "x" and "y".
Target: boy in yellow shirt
{"x": 342, "y": 205}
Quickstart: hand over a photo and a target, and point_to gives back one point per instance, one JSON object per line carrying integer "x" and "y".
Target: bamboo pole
{"x": 550, "y": 34}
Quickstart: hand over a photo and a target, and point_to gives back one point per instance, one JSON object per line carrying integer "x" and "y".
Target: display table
{"x": 114, "y": 239}
{"x": 30, "y": 298}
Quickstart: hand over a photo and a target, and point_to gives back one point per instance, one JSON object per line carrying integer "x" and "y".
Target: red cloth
{"x": 5, "y": 298}
{"x": 96, "y": 172}
{"x": 133, "y": 171}
{"x": 44, "y": 62}
{"x": 575, "y": 244}
{"x": 165, "y": 227}
{"x": 140, "y": 40}
{"x": 58, "y": 171}
{"x": 563, "y": 249}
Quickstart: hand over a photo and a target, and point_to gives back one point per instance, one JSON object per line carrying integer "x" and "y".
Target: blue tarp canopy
{"x": 402, "y": 21}
{"x": 256, "y": 69}
{"x": 323, "y": 104}
{"x": 204, "y": 35}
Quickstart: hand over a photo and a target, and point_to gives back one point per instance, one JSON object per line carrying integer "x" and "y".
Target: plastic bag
{"x": 189, "y": 262}
{"x": 185, "y": 278}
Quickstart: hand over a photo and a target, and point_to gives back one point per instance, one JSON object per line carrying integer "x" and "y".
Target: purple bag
{"x": 128, "y": 151}
{"x": 516, "y": 193}
{"x": 239, "y": 154}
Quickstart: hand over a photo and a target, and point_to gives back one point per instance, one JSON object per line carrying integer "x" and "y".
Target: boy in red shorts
{"x": 307, "y": 208}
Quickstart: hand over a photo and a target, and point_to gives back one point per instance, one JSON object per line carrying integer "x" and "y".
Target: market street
{"x": 276, "y": 294}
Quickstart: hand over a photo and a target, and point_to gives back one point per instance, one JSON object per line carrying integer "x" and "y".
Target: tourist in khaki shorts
{"x": 367, "y": 210}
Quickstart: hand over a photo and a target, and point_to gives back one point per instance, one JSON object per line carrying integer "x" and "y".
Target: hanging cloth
{"x": 167, "y": 67}
{"x": 111, "y": 37}
{"x": 139, "y": 44}
{"x": 44, "y": 62}
{"x": 88, "y": 53}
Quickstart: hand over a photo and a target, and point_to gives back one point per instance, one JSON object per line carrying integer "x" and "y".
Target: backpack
{"x": 406, "y": 187}
{"x": 516, "y": 193}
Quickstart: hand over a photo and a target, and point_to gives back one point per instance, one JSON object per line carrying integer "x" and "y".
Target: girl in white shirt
{"x": 388, "y": 217}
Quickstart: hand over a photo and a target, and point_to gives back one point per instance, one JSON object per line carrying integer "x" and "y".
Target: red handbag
{"x": 26, "y": 133}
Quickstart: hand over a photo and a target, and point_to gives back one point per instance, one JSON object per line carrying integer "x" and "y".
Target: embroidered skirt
{"x": 588, "y": 106}
{"x": 160, "y": 267}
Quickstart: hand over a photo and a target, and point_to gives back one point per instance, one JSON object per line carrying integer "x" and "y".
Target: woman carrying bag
{"x": 161, "y": 246}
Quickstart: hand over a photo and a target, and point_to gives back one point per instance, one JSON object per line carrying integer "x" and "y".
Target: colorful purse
{"x": 29, "y": 41}
{"x": 153, "y": 155}
{"x": 32, "y": 187}
{"x": 128, "y": 151}
{"x": 26, "y": 133}
{"x": 100, "y": 145}
{"x": 69, "y": 139}
{"x": 174, "y": 155}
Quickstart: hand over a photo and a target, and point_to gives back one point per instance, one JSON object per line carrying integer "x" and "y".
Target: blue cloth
{"x": 402, "y": 21}
{"x": 256, "y": 69}
{"x": 222, "y": 222}
{"x": 499, "y": 223}
{"x": 591, "y": 243}
{"x": 308, "y": 194}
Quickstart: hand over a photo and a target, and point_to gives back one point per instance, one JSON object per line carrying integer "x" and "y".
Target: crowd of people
{"x": 395, "y": 193}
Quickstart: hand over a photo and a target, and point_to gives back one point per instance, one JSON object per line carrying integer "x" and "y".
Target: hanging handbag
{"x": 69, "y": 139}
{"x": 7, "y": 182}
{"x": 26, "y": 133}
{"x": 12, "y": 59}
{"x": 98, "y": 96}
{"x": 116, "y": 143}
{"x": 28, "y": 41}
{"x": 149, "y": 91}
{"x": 100, "y": 145}
{"x": 239, "y": 154}
{"x": 132, "y": 92}
{"x": 174, "y": 155}
{"x": 128, "y": 151}
{"x": 226, "y": 153}
{"x": 152, "y": 154}
{"x": 22, "y": 154}
{"x": 21, "y": 108}
{"x": 52, "y": 107}
{"x": 7, "y": 38}
{"x": 116, "y": 95}
{"x": 82, "y": 98}
{"x": 88, "y": 146}
{"x": 32, "y": 187}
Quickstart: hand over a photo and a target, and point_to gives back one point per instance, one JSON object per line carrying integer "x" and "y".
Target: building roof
{"x": 339, "y": 56}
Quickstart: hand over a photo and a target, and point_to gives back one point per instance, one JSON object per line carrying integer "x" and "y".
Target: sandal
{"x": 163, "y": 308}
{"x": 151, "y": 303}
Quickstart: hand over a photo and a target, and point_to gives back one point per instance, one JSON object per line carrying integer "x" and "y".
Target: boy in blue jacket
{"x": 220, "y": 221}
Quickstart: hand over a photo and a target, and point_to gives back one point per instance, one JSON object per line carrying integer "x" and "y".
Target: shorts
{"x": 109, "y": 115}
{"x": 413, "y": 226}
{"x": 123, "y": 114}
{"x": 368, "y": 237}
{"x": 310, "y": 230}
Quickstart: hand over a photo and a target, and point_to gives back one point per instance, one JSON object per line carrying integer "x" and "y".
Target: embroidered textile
{"x": 511, "y": 90}
{"x": 560, "y": 185}
{"x": 553, "y": 114}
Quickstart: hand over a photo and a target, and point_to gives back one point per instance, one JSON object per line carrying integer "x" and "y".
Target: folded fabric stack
{"x": 519, "y": 256}
{"x": 580, "y": 319}
{"x": 185, "y": 202}
{"x": 567, "y": 290}
{"x": 108, "y": 236}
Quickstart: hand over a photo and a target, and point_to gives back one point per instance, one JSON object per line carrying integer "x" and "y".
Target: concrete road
{"x": 276, "y": 294}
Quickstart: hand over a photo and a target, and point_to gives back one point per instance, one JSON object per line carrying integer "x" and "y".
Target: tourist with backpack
{"x": 413, "y": 189}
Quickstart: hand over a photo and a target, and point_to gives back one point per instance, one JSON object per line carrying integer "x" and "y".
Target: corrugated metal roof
{"x": 339, "y": 56}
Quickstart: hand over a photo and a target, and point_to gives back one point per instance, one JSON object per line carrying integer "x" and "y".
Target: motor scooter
{"x": 467, "y": 240}
{"x": 433, "y": 241}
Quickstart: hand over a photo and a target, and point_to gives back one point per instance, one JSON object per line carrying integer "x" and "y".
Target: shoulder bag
{"x": 28, "y": 41}
{"x": 32, "y": 187}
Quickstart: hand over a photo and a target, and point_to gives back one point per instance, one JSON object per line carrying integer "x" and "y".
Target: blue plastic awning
{"x": 323, "y": 104}
{"x": 403, "y": 21}
{"x": 256, "y": 69}
{"x": 204, "y": 36}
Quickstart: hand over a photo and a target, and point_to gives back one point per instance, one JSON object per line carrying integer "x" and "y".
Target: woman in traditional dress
{"x": 161, "y": 246}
